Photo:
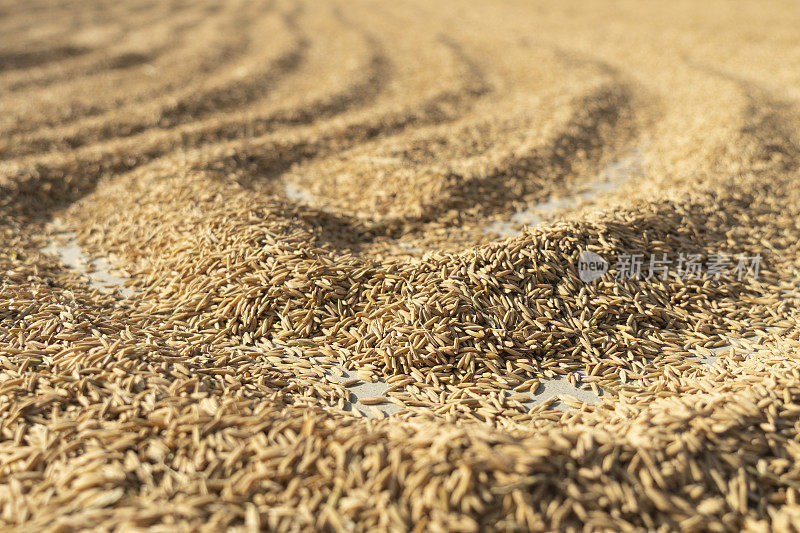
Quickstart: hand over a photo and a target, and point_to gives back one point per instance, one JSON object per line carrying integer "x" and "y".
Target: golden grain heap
{"x": 296, "y": 187}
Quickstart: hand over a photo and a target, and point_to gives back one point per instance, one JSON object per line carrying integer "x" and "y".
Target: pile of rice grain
{"x": 297, "y": 187}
